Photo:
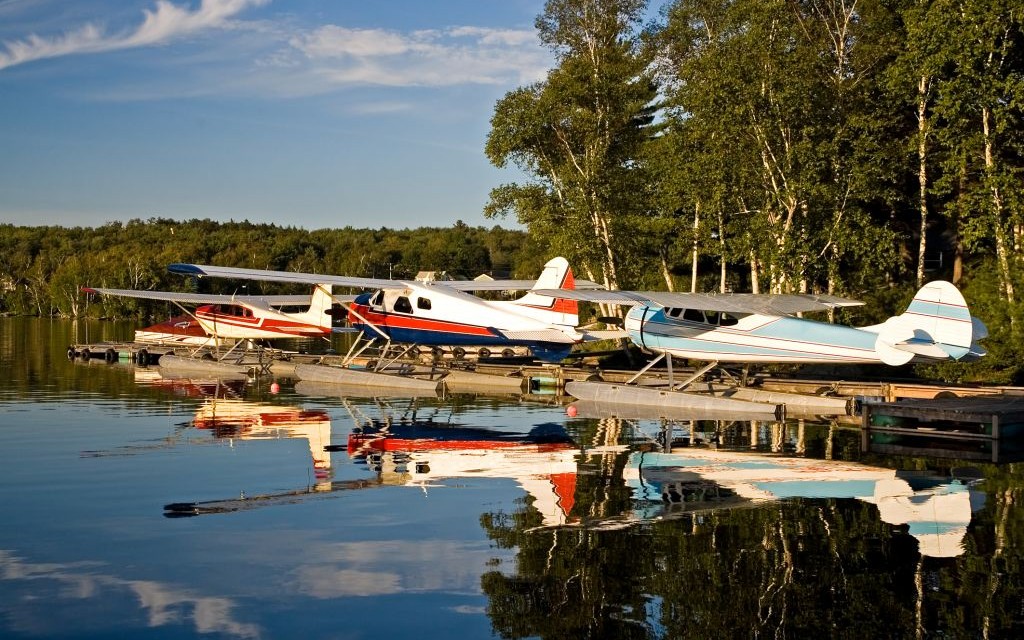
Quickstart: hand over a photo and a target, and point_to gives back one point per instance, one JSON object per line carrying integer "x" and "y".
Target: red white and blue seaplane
{"x": 432, "y": 312}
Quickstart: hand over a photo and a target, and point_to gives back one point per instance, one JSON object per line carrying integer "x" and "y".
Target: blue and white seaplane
{"x": 431, "y": 312}
{"x": 750, "y": 328}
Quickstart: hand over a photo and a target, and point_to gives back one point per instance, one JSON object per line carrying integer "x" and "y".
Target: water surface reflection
{"x": 472, "y": 516}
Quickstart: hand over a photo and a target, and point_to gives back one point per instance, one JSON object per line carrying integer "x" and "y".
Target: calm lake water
{"x": 322, "y": 516}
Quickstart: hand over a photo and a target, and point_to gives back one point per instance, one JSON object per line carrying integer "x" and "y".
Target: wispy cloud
{"x": 278, "y": 56}
{"x": 163, "y": 23}
{"x": 459, "y": 55}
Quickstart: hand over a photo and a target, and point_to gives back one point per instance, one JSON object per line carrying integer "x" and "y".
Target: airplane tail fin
{"x": 936, "y": 326}
{"x": 558, "y": 311}
{"x": 321, "y": 307}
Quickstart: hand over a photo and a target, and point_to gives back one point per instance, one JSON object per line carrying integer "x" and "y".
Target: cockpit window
{"x": 674, "y": 313}
{"x": 423, "y": 303}
{"x": 693, "y": 315}
{"x": 377, "y": 299}
{"x": 402, "y": 305}
{"x": 728, "y": 320}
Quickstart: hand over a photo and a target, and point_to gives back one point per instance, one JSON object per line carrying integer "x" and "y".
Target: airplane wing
{"x": 767, "y": 304}
{"x": 549, "y": 335}
{"x": 169, "y": 296}
{"x": 209, "y": 298}
{"x": 202, "y": 270}
{"x": 353, "y": 281}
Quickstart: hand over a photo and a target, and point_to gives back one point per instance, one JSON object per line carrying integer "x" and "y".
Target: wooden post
{"x": 995, "y": 437}
{"x": 865, "y": 427}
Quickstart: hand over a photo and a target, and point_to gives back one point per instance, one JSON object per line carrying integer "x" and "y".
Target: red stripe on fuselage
{"x": 400, "y": 321}
{"x": 261, "y": 323}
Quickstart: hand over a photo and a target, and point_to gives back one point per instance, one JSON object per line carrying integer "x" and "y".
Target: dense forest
{"x": 42, "y": 269}
{"x": 854, "y": 147}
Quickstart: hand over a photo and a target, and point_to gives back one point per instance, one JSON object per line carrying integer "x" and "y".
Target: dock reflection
{"x": 407, "y": 448}
{"x": 191, "y": 387}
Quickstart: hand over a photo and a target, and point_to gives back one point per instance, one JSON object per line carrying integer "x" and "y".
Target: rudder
{"x": 320, "y": 303}
{"x": 556, "y": 275}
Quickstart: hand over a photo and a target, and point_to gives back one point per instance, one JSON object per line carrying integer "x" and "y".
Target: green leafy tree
{"x": 579, "y": 134}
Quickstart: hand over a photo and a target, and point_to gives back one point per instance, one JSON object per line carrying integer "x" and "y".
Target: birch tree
{"x": 578, "y": 135}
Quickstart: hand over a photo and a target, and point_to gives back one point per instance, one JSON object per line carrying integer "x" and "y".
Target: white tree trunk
{"x": 922, "y": 171}
{"x": 693, "y": 268}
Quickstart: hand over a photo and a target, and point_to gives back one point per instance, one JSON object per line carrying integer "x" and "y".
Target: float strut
{"x": 698, "y": 373}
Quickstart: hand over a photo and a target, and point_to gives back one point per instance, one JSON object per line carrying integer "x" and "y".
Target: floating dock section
{"x": 336, "y": 390}
{"x": 601, "y": 410}
{"x": 458, "y": 381}
{"x": 211, "y": 368}
{"x": 797, "y": 404}
{"x": 667, "y": 400}
{"x": 365, "y": 378}
{"x": 970, "y": 428}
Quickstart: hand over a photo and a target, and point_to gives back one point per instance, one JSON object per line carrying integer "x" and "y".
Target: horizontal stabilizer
{"x": 604, "y": 334}
{"x": 543, "y": 335}
{"x": 936, "y": 326}
{"x": 979, "y": 328}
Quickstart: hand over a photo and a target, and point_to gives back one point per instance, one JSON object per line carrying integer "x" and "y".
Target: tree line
{"x": 43, "y": 269}
{"x": 853, "y": 147}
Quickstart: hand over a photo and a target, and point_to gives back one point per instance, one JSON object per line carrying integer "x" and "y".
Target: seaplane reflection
{"x": 410, "y": 450}
{"x": 224, "y": 414}
{"x": 425, "y": 454}
{"x": 935, "y": 510}
{"x": 239, "y": 419}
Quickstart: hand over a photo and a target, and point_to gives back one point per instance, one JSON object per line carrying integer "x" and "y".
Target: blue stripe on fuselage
{"x": 544, "y": 351}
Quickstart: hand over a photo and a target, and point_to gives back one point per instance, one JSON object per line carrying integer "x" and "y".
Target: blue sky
{"x": 317, "y": 114}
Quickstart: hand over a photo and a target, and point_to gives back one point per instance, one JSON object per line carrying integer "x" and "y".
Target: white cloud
{"x": 492, "y": 37}
{"x": 165, "y": 22}
{"x": 376, "y": 108}
{"x": 393, "y": 566}
{"x": 341, "y": 56}
{"x": 332, "y": 41}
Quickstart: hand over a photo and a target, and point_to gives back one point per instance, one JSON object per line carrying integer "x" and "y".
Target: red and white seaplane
{"x": 220, "y": 319}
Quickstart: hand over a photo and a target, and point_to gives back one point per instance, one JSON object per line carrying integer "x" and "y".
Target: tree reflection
{"x": 795, "y": 568}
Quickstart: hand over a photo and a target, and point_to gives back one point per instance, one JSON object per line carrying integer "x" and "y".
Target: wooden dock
{"x": 909, "y": 417}
{"x": 979, "y": 428}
